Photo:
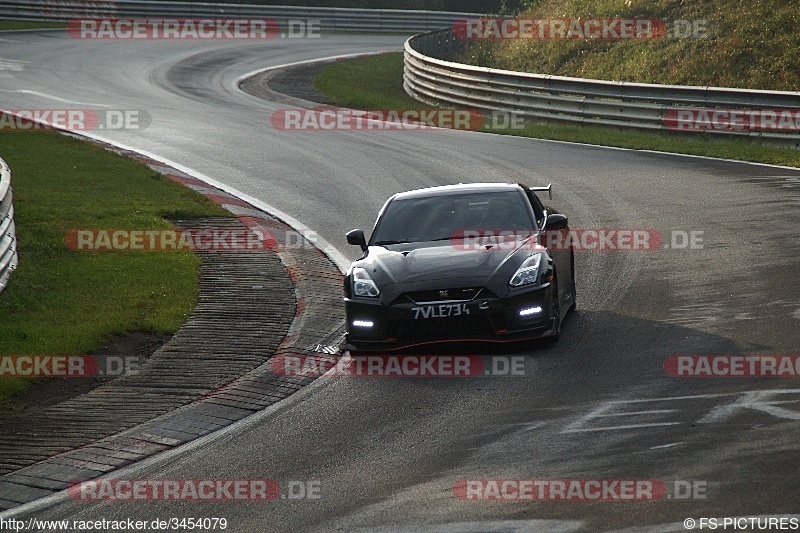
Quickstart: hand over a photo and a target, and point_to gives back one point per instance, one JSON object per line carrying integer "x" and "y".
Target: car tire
{"x": 572, "y": 277}
{"x": 556, "y": 311}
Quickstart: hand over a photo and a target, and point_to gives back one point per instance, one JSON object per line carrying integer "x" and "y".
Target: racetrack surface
{"x": 597, "y": 404}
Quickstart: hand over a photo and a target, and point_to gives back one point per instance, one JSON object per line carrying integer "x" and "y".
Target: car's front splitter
{"x": 373, "y": 326}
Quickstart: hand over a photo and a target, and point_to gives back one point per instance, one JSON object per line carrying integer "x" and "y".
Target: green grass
{"x": 29, "y": 25}
{"x": 70, "y": 302}
{"x": 376, "y": 82}
{"x": 750, "y": 44}
{"x": 366, "y": 83}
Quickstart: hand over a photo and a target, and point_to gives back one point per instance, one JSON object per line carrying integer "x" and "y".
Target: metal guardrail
{"x": 8, "y": 239}
{"x": 330, "y": 19}
{"x": 432, "y": 77}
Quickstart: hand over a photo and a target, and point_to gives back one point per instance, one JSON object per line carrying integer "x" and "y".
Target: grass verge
{"x": 376, "y": 82}
{"x": 751, "y": 44}
{"x": 62, "y": 302}
{"x": 29, "y": 25}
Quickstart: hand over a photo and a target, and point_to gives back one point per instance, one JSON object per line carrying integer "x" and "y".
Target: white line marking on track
{"x": 612, "y": 428}
{"x": 663, "y": 446}
{"x": 252, "y": 73}
{"x": 755, "y": 400}
{"x": 652, "y": 412}
{"x": 51, "y": 97}
{"x": 12, "y": 64}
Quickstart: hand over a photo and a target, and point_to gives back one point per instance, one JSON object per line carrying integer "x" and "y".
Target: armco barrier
{"x": 330, "y": 19}
{"x": 432, "y": 77}
{"x": 8, "y": 239}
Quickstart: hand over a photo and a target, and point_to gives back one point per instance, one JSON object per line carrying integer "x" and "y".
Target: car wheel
{"x": 572, "y": 277}
{"x": 556, "y": 311}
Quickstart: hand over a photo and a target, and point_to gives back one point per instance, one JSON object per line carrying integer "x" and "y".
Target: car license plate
{"x": 439, "y": 311}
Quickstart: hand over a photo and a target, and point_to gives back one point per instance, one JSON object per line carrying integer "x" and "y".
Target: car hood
{"x": 421, "y": 266}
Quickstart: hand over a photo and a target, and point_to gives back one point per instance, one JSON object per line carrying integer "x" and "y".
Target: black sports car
{"x": 459, "y": 263}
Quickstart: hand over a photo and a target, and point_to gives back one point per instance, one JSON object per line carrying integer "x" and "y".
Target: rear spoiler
{"x": 549, "y": 189}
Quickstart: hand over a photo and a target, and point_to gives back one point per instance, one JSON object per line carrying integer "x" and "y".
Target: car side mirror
{"x": 356, "y": 238}
{"x": 555, "y": 221}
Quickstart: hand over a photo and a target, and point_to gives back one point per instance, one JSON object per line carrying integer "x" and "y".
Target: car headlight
{"x": 527, "y": 272}
{"x": 363, "y": 284}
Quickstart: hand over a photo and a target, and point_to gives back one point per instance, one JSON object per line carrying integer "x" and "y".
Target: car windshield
{"x": 443, "y": 217}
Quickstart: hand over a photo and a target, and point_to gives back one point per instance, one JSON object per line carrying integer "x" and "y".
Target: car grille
{"x": 444, "y": 295}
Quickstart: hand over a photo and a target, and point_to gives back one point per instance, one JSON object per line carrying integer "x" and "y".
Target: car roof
{"x": 460, "y": 188}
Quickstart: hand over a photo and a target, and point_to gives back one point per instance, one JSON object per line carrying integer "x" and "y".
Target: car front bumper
{"x": 374, "y": 326}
